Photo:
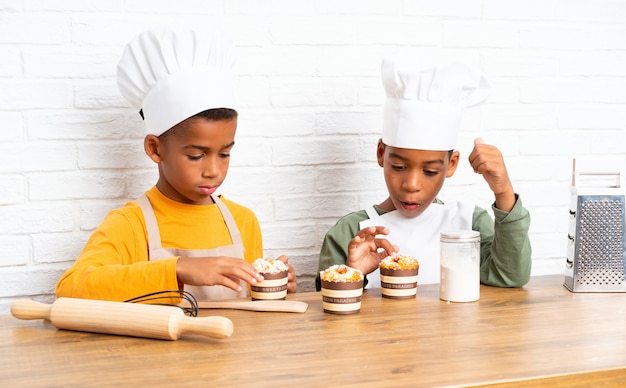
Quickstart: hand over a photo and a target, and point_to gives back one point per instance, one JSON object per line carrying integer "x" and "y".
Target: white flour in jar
{"x": 460, "y": 266}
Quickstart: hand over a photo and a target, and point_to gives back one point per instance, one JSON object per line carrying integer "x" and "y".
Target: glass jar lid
{"x": 460, "y": 236}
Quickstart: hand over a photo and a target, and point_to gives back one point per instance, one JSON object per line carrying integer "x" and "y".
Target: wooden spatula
{"x": 287, "y": 306}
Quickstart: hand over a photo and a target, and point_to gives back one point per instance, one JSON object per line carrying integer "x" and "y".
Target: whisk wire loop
{"x": 159, "y": 296}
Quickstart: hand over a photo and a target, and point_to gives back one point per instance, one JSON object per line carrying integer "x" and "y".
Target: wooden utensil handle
{"x": 287, "y": 306}
{"x": 214, "y": 327}
{"x": 29, "y": 309}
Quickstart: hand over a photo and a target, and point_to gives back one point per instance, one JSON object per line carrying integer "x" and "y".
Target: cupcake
{"x": 274, "y": 285}
{"x": 342, "y": 288}
{"x": 398, "y": 277}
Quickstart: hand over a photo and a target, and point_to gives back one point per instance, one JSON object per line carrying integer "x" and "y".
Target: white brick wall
{"x": 309, "y": 86}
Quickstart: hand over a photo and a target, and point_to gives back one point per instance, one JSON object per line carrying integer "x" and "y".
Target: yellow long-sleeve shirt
{"x": 114, "y": 264}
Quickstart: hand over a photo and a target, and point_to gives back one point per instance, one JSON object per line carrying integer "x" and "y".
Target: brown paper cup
{"x": 342, "y": 297}
{"x": 273, "y": 287}
{"x": 398, "y": 283}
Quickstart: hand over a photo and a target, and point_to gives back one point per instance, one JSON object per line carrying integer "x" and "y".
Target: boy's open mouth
{"x": 410, "y": 206}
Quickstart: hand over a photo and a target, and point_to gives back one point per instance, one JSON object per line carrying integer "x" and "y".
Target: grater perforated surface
{"x": 599, "y": 258}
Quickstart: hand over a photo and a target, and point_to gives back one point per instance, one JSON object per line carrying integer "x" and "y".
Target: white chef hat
{"x": 171, "y": 75}
{"x": 425, "y": 100}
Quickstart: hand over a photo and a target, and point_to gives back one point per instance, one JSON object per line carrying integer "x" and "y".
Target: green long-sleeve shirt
{"x": 505, "y": 251}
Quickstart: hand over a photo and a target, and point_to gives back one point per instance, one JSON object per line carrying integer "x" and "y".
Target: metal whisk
{"x": 159, "y": 296}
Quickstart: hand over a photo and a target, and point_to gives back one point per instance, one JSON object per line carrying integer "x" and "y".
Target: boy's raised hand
{"x": 213, "y": 271}
{"x": 291, "y": 276}
{"x": 487, "y": 160}
{"x": 363, "y": 249}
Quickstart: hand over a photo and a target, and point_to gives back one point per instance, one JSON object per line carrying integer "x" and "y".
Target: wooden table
{"x": 538, "y": 335}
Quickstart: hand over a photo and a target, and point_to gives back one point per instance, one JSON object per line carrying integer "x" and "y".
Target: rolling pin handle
{"x": 29, "y": 309}
{"x": 215, "y": 327}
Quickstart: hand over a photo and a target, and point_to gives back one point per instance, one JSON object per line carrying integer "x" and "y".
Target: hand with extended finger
{"x": 366, "y": 249}
{"x": 212, "y": 271}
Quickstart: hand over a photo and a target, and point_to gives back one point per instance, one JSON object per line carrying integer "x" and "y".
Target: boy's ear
{"x": 380, "y": 152}
{"x": 151, "y": 145}
{"x": 453, "y": 163}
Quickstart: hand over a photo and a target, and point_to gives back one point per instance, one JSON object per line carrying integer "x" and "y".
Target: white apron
{"x": 236, "y": 250}
{"x": 419, "y": 236}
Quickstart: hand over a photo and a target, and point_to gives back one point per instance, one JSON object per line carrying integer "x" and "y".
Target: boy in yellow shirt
{"x": 179, "y": 234}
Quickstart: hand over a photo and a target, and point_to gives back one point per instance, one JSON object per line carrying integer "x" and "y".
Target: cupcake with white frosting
{"x": 275, "y": 274}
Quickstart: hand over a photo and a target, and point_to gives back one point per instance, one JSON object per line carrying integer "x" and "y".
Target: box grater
{"x": 596, "y": 251}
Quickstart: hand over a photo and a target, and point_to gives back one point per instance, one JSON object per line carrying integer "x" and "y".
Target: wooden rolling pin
{"x": 138, "y": 320}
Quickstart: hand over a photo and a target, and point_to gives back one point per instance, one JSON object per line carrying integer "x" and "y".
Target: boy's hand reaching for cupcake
{"x": 291, "y": 275}
{"x": 366, "y": 250}
{"x": 213, "y": 271}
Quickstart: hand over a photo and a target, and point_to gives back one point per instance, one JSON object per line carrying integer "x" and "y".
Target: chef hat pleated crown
{"x": 173, "y": 74}
{"x": 425, "y": 100}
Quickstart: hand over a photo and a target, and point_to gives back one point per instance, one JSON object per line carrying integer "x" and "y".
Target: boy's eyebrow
{"x": 435, "y": 161}
{"x": 394, "y": 155}
{"x": 204, "y": 148}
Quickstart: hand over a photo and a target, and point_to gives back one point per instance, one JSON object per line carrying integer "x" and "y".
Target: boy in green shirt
{"x": 422, "y": 117}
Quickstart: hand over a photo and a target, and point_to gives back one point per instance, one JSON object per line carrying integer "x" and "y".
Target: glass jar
{"x": 460, "y": 266}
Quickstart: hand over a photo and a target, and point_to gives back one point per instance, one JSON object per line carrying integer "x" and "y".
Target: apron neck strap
{"x": 152, "y": 227}
{"x": 228, "y": 219}
{"x": 371, "y": 212}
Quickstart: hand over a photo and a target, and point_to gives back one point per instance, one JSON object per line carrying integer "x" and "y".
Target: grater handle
{"x": 598, "y": 172}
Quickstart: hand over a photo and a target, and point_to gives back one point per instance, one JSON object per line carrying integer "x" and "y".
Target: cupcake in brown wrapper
{"x": 342, "y": 288}
{"x": 274, "y": 285}
{"x": 398, "y": 277}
